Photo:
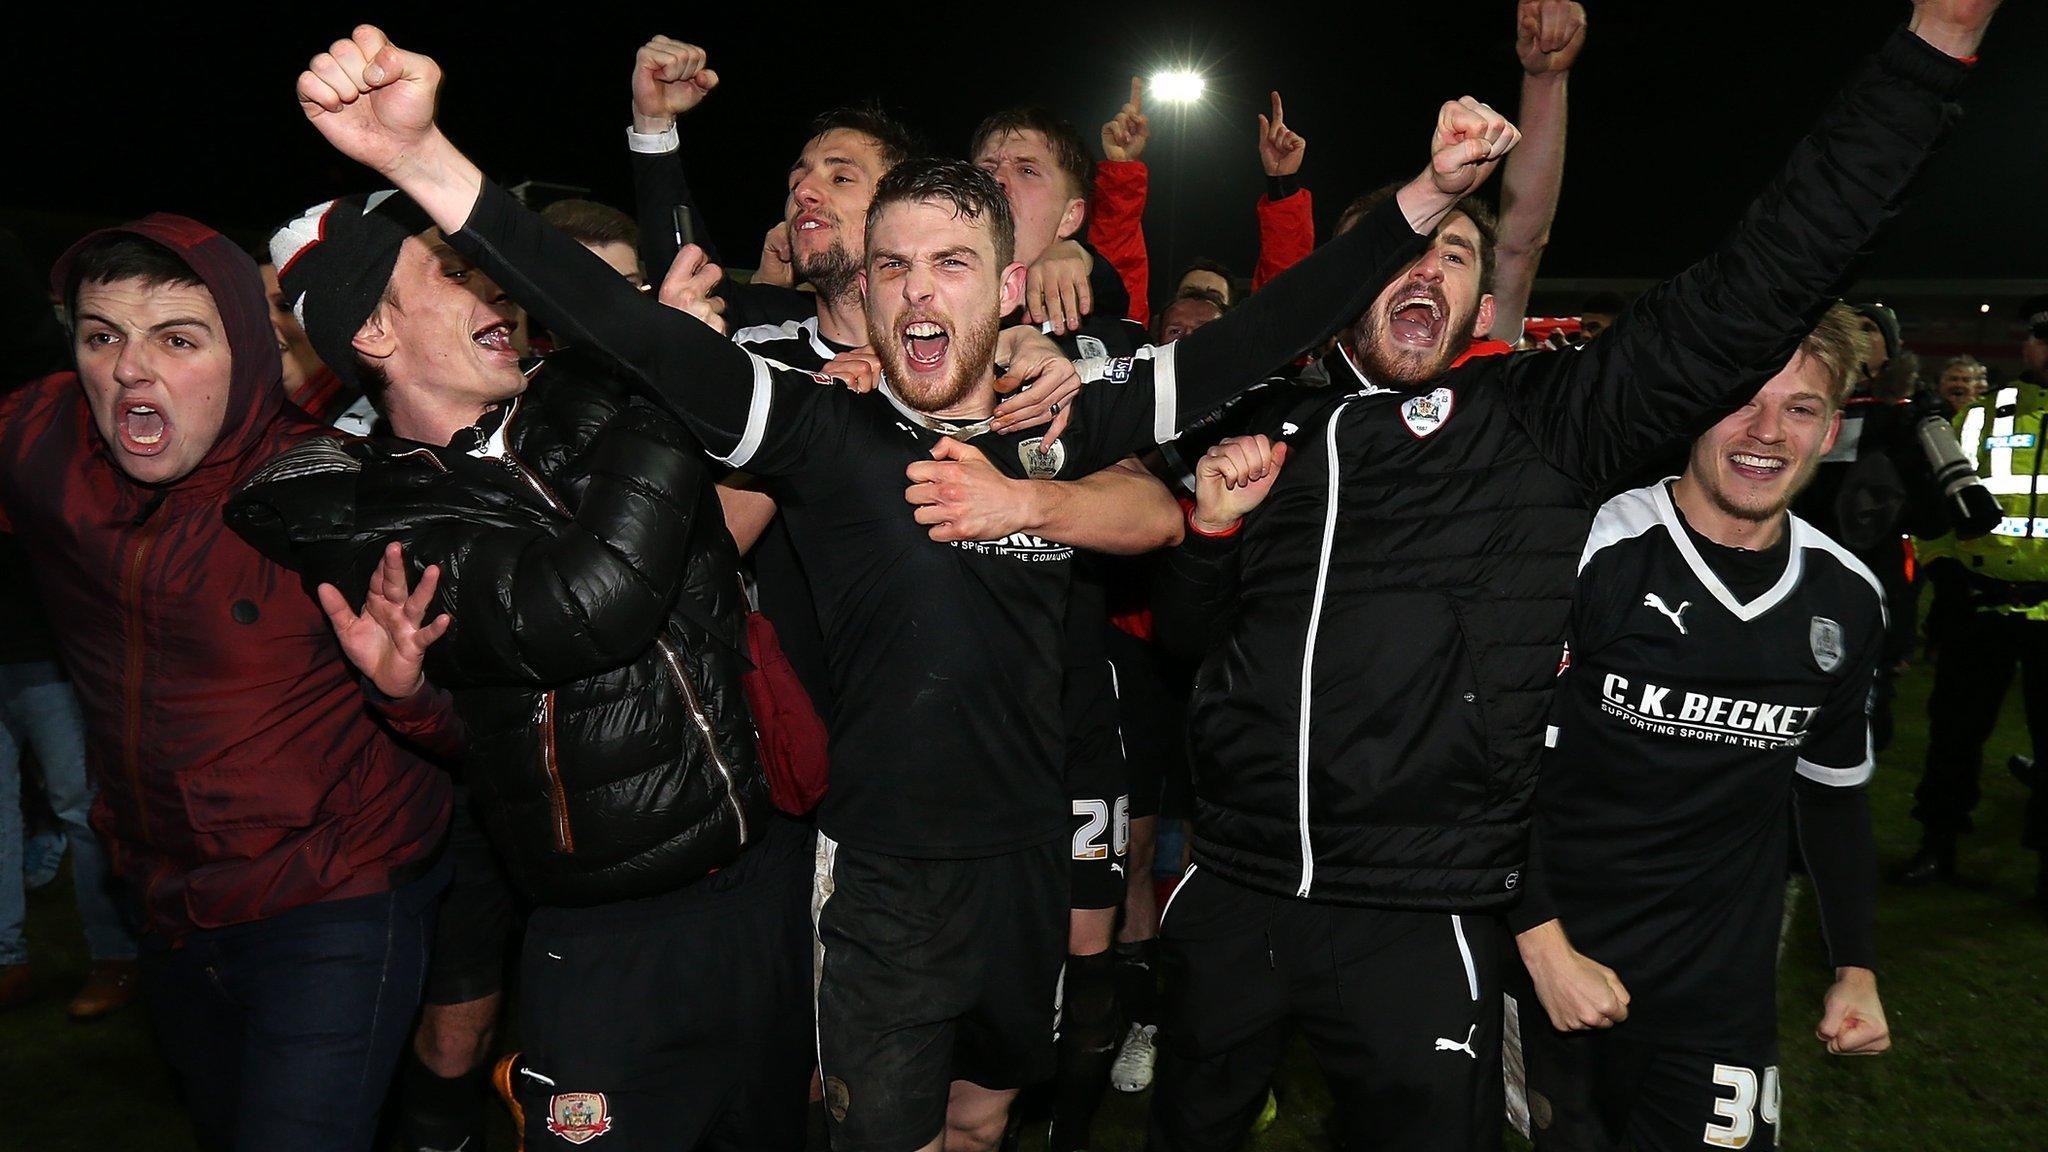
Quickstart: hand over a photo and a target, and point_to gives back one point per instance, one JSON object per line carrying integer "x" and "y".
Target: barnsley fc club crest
{"x": 1425, "y": 414}
{"x": 1825, "y": 636}
{"x": 1040, "y": 462}
{"x": 579, "y": 1117}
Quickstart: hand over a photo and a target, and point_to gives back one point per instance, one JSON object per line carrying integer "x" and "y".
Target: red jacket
{"x": 1116, "y": 228}
{"x": 240, "y": 770}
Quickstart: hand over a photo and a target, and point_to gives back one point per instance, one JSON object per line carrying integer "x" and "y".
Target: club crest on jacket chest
{"x": 1039, "y": 461}
{"x": 1425, "y": 414}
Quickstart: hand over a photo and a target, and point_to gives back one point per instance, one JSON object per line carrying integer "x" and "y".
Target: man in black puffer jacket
{"x": 1384, "y": 630}
{"x": 591, "y": 591}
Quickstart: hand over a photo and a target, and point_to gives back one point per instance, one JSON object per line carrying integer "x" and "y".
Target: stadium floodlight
{"x": 1179, "y": 87}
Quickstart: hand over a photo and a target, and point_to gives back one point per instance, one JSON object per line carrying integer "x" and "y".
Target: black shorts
{"x": 479, "y": 916}
{"x": 1402, "y": 1011}
{"x": 930, "y": 971}
{"x": 677, "y": 1021}
{"x": 1100, "y": 832}
{"x": 1601, "y": 1091}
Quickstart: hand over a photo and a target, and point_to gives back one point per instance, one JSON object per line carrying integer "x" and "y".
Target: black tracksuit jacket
{"x": 1383, "y": 632}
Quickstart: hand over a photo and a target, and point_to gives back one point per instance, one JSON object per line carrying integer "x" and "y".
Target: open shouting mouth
{"x": 144, "y": 429}
{"x": 924, "y": 345}
{"x": 1416, "y": 319}
{"x": 496, "y": 338}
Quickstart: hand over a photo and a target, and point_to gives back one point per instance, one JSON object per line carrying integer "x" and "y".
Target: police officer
{"x": 2003, "y": 621}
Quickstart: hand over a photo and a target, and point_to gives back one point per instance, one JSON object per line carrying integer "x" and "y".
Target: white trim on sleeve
{"x": 1837, "y": 777}
{"x": 1165, "y": 400}
{"x": 656, "y": 143}
{"x": 757, "y": 417}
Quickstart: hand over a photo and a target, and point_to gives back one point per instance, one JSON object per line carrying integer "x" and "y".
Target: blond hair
{"x": 1836, "y": 344}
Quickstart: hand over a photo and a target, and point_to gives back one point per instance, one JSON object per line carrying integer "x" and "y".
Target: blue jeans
{"x": 285, "y": 1032}
{"x": 39, "y": 710}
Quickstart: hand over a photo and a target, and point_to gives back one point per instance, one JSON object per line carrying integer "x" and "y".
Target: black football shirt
{"x": 1700, "y": 681}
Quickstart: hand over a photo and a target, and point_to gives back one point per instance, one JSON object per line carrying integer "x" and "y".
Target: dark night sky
{"x": 1679, "y": 111}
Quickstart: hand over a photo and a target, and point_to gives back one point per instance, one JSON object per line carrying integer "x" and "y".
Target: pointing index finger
{"x": 1278, "y": 119}
{"x": 1137, "y": 93}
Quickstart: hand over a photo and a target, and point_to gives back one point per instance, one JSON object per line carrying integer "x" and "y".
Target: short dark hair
{"x": 892, "y": 139}
{"x": 1205, "y": 264}
{"x": 1475, "y": 210}
{"x": 1201, "y": 295}
{"x": 111, "y": 257}
{"x": 971, "y": 192}
{"x": 1069, "y": 149}
{"x": 589, "y": 222}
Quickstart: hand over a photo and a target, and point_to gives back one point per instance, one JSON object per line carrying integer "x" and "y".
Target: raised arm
{"x": 375, "y": 103}
{"x": 1700, "y": 345}
{"x": 1116, "y": 209}
{"x": 1287, "y": 226}
{"x": 1311, "y": 300}
{"x": 669, "y": 79}
{"x": 1548, "y": 36}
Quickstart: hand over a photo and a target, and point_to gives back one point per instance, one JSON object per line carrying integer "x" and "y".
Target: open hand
{"x": 387, "y": 641}
{"x": 1056, "y": 287}
{"x": 963, "y": 497}
{"x": 1039, "y": 380}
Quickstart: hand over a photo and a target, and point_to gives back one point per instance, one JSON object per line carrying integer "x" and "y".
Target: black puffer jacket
{"x": 610, "y": 752}
{"x": 1384, "y": 632}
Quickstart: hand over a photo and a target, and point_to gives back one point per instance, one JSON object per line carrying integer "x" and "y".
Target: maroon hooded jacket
{"x": 241, "y": 771}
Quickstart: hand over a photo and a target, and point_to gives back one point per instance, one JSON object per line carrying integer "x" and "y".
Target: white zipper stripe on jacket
{"x": 1308, "y": 655}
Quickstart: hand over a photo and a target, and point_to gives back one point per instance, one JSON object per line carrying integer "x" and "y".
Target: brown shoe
{"x": 501, "y": 1079}
{"x": 15, "y": 987}
{"x": 109, "y": 985}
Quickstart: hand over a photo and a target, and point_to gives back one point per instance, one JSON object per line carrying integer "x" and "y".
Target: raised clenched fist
{"x": 371, "y": 99}
{"x": 1548, "y": 35}
{"x": 1469, "y": 143}
{"x": 669, "y": 79}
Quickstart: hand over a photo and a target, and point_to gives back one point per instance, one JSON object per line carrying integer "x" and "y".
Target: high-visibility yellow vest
{"x": 2003, "y": 433}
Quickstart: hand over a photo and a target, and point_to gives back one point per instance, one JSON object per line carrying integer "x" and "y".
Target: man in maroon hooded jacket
{"x": 282, "y": 842}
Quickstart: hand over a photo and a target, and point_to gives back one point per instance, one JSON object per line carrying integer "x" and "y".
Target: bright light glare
{"x": 1983, "y": 307}
{"x": 1176, "y": 87}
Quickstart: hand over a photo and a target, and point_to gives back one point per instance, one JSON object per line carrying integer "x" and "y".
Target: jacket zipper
{"x": 558, "y": 800}
{"x": 1308, "y": 655}
{"x": 668, "y": 655}
{"x": 131, "y": 688}
{"x": 675, "y": 669}
{"x": 544, "y": 715}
